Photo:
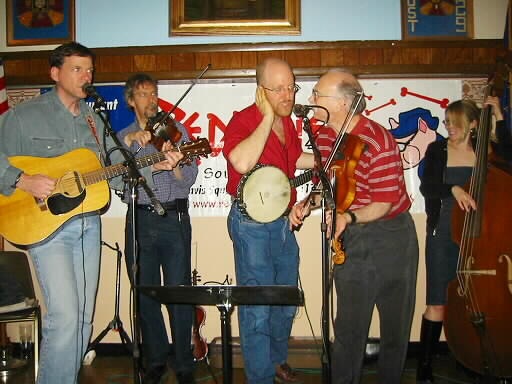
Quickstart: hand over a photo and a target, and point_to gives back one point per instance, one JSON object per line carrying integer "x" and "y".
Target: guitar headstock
{"x": 195, "y": 148}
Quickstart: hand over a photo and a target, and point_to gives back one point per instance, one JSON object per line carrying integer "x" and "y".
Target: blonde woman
{"x": 448, "y": 167}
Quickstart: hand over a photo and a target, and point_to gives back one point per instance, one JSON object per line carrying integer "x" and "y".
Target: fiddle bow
{"x": 162, "y": 126}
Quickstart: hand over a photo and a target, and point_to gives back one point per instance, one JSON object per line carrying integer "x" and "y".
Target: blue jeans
{"x": 265, "y": 254}
{"x": 67, "y": 268}
{"x": 164, "y": 242}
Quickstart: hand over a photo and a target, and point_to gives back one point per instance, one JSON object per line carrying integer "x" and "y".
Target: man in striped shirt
{"x": 378, "y": 234}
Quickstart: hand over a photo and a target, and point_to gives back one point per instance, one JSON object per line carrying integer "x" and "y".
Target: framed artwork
{"x": 38, "y": 22}
{"x": 234, "y": 17}
{"x": 437, "y": 19}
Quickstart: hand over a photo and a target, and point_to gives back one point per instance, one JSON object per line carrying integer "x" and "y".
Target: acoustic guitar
{"x": 81, "y": 188}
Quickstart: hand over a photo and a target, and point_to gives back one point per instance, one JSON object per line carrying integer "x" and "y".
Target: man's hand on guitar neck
{"x": 39, "y": 186}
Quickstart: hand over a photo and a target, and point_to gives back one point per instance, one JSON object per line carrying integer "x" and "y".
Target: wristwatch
{"x": 352, "y": 215}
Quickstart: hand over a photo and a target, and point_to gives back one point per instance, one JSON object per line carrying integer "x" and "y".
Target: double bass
{"x": 478, "y": 323}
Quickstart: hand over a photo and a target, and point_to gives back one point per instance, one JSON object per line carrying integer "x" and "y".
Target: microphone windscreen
{"x": 88, "y": 89}
{"x": 299, "y": 110}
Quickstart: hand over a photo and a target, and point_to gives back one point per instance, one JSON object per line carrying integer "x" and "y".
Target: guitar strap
{"x": 92, "y": 125}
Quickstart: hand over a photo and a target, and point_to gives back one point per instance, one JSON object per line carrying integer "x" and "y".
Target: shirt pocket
{"x": 47, "y": 146}
{"x": 91, "y": 144}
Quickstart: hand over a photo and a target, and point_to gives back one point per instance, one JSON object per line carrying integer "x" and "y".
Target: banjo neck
{"x": 301, "y": 179}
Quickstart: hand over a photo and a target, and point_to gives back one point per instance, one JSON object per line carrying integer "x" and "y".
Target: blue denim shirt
{"x": 44, "y": 127}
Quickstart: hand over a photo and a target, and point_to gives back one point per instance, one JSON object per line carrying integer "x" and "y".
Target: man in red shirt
{"x": 265, "y": 253}
{"x": 379, "y": 237}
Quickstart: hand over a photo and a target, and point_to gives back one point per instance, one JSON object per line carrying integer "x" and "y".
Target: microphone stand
{"x": 327, "y": 203}
{"x": 115, "y": 324}
{"x": 133, "y": 180}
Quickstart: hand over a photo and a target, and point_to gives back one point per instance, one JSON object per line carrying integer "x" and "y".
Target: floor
{"x": 118, "y": 370}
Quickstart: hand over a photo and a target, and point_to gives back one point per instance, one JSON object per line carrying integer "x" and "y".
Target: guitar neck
{"x": 120, "y": 169}
{"x": 302, "y": 179}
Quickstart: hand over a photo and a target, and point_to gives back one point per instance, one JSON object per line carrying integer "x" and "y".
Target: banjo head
{"x": 264, "y": 193}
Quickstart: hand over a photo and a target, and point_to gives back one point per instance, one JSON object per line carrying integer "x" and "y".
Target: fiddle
{"x": 342, "y": 161}
{"x": 163, "y": 128}
{"x": 343, "y": 169}
{"x": 200, "y": 346}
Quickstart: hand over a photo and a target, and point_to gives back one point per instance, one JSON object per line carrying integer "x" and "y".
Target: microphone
{"x": 90, "y": 91}
{"x": 300, "y": 110}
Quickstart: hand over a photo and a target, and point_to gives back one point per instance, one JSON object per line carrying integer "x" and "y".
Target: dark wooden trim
{"x": 365, "y": 58}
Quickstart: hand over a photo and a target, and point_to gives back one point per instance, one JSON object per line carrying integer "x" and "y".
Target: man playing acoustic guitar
{"x": 67, "y": 262}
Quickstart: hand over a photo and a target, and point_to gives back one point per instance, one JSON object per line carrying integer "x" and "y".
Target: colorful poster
{"x": 427, "y": 19}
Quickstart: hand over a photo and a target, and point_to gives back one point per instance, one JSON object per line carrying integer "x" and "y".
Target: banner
{"x": 412, "y": 109}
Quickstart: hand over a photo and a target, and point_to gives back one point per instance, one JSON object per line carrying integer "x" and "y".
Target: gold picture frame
{"x": 234, "y": 17}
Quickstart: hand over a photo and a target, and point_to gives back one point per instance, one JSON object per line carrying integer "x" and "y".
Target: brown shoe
{"x": 285, "y": 374}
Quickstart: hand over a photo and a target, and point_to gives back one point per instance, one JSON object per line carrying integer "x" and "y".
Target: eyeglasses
{"x": 317, "y": 94}
{"x": 291, "y": 88}
{"x": 146, "y": 94}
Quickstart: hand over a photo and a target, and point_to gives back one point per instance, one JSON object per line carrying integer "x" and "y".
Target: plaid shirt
{"x": 165, "y": 185}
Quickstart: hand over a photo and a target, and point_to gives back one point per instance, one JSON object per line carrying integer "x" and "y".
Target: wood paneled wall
{"x": 366, "y": 58}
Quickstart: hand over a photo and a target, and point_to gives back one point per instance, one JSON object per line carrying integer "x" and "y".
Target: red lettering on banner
{"x": 179, "y": 114}
{"x": 190, "y": 129}
{"x": 213, "y": 123}
{"x": 298, "y": 128}
{"x": 315, "y": 126}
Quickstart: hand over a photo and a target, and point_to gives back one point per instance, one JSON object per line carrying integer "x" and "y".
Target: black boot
{"x": 430, "y": 332}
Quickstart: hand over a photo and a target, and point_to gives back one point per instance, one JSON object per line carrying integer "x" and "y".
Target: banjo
{"x": 264, "y": 193}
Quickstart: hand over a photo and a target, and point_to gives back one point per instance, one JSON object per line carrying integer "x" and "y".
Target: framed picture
{"x": 234, "y": 17}
{"x": 437, "y": 19}
{"x": 38, "y": 22}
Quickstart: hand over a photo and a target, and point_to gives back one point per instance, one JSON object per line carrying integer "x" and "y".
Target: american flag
{"x": 4, "y": 106}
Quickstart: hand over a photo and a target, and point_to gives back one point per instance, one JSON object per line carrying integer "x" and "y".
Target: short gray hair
{"x": 350, "y": 89}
